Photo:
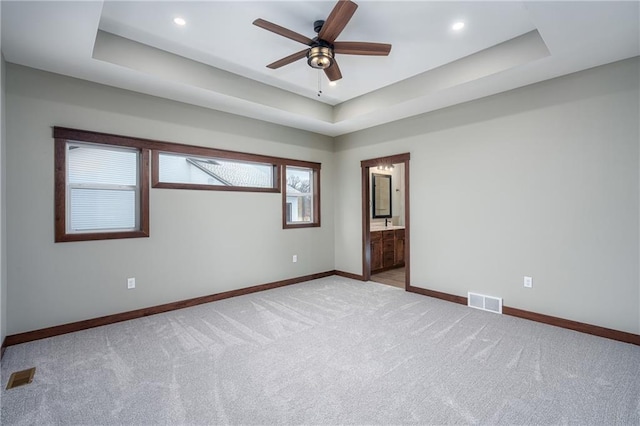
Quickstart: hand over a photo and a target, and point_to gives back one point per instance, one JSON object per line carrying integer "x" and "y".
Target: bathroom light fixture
{"x": 386, "y": 167}
{"x": 457, "y": 26}
{"x": 179, "y": 21}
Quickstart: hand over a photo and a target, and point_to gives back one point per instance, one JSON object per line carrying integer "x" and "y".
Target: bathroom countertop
{"x": 385, "y": 228}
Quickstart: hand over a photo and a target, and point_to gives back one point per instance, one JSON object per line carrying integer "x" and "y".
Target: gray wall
{"x": 540, "y": 181}
{"x": 199, "y": 244}
{"x": 3, "y": 207}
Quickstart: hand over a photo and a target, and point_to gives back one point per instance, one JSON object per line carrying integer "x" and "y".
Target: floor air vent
{"x": 20, "y": 378}
{"x": 486, "y": 303}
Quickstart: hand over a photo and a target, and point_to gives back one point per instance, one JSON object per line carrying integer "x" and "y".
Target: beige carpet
{"x": 331, "y": 351}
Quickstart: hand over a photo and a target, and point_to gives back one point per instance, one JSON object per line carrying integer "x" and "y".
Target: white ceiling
{"x": 218, "y": 59}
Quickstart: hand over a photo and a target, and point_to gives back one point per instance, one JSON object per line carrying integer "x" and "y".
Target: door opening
{"x": 385, "y": 228}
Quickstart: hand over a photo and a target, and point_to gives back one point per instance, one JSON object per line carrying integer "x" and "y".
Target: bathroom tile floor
{"x": 394, "y": 277}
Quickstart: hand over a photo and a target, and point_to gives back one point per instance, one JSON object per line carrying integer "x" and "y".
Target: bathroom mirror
{"x": 381, "y": 190}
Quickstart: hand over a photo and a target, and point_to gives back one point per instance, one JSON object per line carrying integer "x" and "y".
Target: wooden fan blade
{"x": 361, "y": 48}
{"x": 274, "y": 28}
{"x": 337, "y": 20}
{"x": 333, "y": 72}
{"x": 289, "y": 59}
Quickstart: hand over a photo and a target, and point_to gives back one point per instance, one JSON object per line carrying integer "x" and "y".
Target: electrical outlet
{"x": 131, "y": 283}
{"x": 295, "y": 258}
{"x": 528, "y": 282}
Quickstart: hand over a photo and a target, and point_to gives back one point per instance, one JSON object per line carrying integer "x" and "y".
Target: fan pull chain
{"x": 319, "y": 83}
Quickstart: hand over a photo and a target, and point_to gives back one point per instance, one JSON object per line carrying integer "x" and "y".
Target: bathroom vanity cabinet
{"x": 387, "y": 249}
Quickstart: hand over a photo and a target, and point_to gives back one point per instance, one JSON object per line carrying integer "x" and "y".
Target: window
{"x": 102, "y": 182}
{"x": 301, "y": 197}
{"x": 186, "y": 170}
{"x": 101, "y": 187}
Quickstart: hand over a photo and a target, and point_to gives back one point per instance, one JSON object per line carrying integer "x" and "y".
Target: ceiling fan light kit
{"x": 320, "y": 57}
{"x": 322, "y": 49}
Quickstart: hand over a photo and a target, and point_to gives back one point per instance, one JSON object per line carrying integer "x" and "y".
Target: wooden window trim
{"x": 316, "y": 195}
{"x": 60, "y": 196}
{"x": 173, "y": 147}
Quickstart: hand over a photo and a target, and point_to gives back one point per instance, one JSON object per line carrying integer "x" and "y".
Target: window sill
{"x": 300, "y": 225}
{"x": 94, "y": 236}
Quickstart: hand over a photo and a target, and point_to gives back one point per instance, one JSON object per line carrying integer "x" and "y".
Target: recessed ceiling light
{"x": 457, "y": 26}
{"x": 179, "y": 21}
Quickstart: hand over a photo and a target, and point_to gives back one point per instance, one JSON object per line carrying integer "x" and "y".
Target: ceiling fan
{"x": 322, "y": 49}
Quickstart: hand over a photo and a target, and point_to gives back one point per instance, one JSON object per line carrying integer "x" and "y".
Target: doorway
{"x": 385, "y": 229}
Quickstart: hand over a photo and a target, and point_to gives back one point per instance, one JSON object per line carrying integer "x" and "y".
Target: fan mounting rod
{"x": 317, "y": 25}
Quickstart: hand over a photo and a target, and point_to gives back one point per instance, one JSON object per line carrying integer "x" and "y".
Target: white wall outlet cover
{"x": 131, "y": 283}
{"x": 295, "y": 258}
{"x": 528, "y": 282}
